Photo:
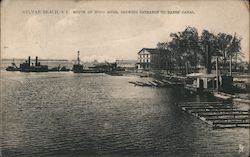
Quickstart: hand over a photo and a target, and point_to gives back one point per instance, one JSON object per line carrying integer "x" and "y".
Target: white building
{"x": 148, "y": 59}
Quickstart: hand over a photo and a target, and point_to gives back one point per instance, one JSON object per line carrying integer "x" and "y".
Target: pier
{"x": 218, "y": 114}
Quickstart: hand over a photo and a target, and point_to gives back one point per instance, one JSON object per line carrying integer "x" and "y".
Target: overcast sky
{"x": 110, "y": 36}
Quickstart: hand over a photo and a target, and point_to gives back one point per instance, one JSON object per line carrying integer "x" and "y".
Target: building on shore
{"x": 148, "y": 59}
{"x": 199, "y": 82}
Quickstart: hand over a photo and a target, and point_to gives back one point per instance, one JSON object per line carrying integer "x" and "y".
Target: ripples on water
{"x": 66, "y": 114}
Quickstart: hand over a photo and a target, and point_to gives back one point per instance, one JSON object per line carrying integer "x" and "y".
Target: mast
{"x": 78, "y": 57}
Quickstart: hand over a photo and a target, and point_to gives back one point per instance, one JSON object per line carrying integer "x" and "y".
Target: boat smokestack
{"x": 36, "y": 64}
{"x": 29, "y": 60}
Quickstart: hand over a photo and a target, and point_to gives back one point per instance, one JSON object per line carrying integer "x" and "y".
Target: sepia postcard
{"x": 135, "y": 78}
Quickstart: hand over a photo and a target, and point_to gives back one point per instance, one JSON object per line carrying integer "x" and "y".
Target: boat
{"x": 172, "y": 82}
{"x": 63, "y": 68}
{"x": 27, "y": 66}
{"x": 59, "y": 69}
{"x": 78, "y": 68}
{"x": 13, "y": 67}
{"x": 144, "y": 75}
{"x": 138, "y": 83}
{"x": 153, "y": 83}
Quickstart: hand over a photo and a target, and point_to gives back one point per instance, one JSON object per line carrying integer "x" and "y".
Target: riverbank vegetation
{"x": 190, "y": 49}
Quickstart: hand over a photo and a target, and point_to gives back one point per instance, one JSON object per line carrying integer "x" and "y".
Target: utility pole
{"x": 186, "y": 67}
{"x": 208, "y": 59}
{"x": 217, "y": 76}
{"x": 230, "y": 65}
{"x": 236, "y": 63}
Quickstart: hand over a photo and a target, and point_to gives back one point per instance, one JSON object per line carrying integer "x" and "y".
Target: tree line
{"x": 189, "y": 48}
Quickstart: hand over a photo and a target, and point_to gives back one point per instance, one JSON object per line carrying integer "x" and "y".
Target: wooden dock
{"x": 217, "y": 114}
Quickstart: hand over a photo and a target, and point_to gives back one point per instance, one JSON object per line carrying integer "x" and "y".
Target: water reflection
{"x": 63, "y": 114}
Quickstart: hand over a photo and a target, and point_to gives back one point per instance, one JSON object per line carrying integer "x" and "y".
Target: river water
{"x": 65, "y": 114}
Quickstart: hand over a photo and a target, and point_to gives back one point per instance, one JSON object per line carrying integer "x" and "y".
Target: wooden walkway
{"x": 217, "y": 114}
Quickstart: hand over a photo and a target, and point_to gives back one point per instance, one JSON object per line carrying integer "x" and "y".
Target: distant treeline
{"x": 188, "y": 47}
{"x": 19, "y": 59}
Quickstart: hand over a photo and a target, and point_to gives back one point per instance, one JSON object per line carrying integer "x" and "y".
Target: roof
{"x": 150, "y": 50}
